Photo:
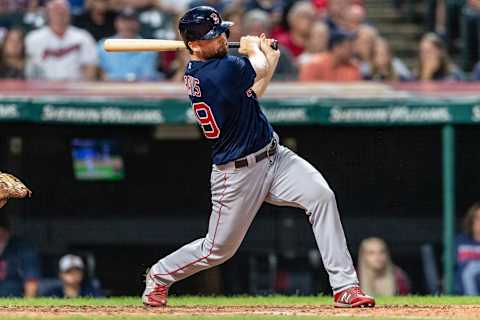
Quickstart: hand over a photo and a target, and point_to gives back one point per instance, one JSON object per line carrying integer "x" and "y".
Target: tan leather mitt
{"x": 11, "y": 187}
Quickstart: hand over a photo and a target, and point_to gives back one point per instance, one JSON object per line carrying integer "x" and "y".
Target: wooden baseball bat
{"x": 121, "y": 45}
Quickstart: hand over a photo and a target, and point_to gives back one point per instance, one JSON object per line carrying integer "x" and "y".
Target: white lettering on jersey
{"x": 193, "y": 86}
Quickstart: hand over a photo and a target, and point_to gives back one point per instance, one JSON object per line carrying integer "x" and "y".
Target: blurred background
{"x": 381, "y": 96}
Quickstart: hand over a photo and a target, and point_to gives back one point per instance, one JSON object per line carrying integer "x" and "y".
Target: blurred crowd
{"x": 320, "y": 40}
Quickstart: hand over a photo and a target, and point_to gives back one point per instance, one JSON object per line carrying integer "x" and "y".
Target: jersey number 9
{"x": 205, "y": 118}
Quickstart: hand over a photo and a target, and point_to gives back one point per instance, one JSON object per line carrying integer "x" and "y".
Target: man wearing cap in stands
{"x": 73, "y": 283}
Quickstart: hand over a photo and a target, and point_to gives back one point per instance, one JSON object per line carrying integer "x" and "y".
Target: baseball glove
{"x": 11, "y": 187}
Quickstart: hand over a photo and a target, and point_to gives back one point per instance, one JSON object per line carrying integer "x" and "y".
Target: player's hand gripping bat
{"x": 120, "y": 45}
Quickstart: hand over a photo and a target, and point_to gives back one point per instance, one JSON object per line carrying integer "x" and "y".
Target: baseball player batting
{"x": 250, "y": 167}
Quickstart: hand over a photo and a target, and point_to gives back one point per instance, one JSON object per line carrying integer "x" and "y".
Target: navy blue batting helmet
{"x": 202, "y": 23}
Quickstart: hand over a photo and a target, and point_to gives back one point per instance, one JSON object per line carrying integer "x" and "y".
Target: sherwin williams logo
{"x": 9, "y": 111}
{"x": 102, "y": 115}
{"x": 286, "y": 115}
{"x": 389, "y": 114}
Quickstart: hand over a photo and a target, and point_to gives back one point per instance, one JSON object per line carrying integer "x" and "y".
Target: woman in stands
{"x": 434, "y": 64}
{"x": 12, "y": 55}
{"x": 384, "y": 66}
{"x": 377, "y": 273}
{"x": 467, "y": 267}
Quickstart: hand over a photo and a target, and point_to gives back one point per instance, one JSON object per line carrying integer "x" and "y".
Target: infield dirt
{"x": 383, "y": 311}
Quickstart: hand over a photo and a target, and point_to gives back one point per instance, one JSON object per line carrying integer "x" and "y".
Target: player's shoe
{"x": 155, "y": 294}
{"x": 353, "y": 297}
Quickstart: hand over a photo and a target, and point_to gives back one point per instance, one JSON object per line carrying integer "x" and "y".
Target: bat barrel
{"x": 120, "y": 45}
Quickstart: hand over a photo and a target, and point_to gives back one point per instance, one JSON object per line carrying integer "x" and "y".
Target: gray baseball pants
{"x": 283, "y": 179}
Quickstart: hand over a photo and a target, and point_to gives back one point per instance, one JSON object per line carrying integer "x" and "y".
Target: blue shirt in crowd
{"x": 132, "y": 66}
{"x": 19, "y": 263}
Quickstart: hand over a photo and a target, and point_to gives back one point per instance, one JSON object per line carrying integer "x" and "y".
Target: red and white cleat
{"x": 155, "y": 294}
{"x": 353, "y": 297}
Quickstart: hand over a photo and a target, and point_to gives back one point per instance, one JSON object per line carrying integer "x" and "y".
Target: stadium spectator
{"x": 154, "y": 22}
{"x": 73, "y": 284}
{"x": 335, "y": 13}
{"x": 385, "y": 66}
{"x": 363, "y": 48}
{"x": 255, "y": 23}
{"x": 434, "y": 64}
{"x": 19, "y": 264}
{"x": 274, "y": 8}
{"x": 377, "y": 274}
{"x": 158, "y": 23}
{"x": 237, "y": 30}
{"x": 98, "y": 19}
{"x": 317, "y": 42}
{"x": 467, "y": 266}
{"x": 60, "y": 51}
{"x": 128, "y": 66}
{"x": 300, "y": 21}
{"x": 12, "y": 55}
{"x": 354, "y": 16}
{"x": 336, "y": 64}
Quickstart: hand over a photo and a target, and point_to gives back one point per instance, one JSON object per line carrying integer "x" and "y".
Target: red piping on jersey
{"x": 214, "y": 234}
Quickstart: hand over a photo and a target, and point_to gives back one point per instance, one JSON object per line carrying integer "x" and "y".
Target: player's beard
{"x": 219, "y": 53}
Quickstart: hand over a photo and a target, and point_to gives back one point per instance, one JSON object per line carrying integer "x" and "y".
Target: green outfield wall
{"x": 283, "y": 112}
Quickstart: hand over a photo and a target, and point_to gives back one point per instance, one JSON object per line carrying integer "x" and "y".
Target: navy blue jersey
{"x": 226, "y": 107}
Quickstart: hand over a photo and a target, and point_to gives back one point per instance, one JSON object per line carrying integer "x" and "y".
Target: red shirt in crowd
{"x": 322, "y": 68}
{"x": 286, "y": 41}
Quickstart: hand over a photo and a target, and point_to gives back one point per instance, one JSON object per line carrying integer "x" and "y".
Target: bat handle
{"x": 236, "y": 45}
